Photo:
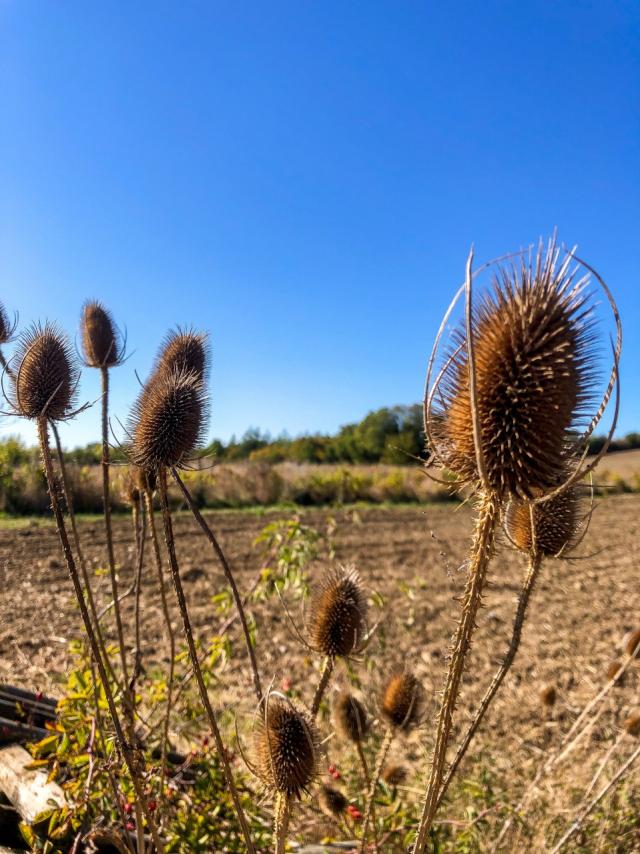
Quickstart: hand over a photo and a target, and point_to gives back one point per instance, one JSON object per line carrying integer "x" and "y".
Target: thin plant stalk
{"x": 281, "y": 816}
{"x": 327, "y": 670}
{"x": 188, "y": 632}
{"x": 125, "y": 747}
{"x": 496, "y": 682}
{"x": 373, "y": 785}
{"x": 230, "y": 580}
{"x": 66, "y": 491}
{"x": 481, "y": 552}
{"x": 148, "y": 500}
{"x": 140, "y": 524}
{"x": 367, "y": 780}
{"x": 577, "y": 824}
{"x": 106, "y": 502}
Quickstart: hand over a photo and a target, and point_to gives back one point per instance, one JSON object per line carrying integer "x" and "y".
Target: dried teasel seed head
{"x": 7, "y": 328}
{"x": 285, "y": 747}
{"x": 142, "y": 479}
{"x": 45, "y": 376}
{"x": 613, "y": 669}
{"x": 167, "y": 421}
{"x": 184, "y": 350}
{"x": 402, "y": 700}
{"x": 535, "y": 364}
{"x": 331, "y": 801}
{"x": 130, "y": 492}
{"x": 632, "y": 643}
{"x": 350, "y": 717}
{"x": 394, "y": 774}
{"x": 101, "y": 342}
{"x": 556, "y": 524}
{"x": 632, "y": 725}
{"x": 548, "y": 696}
{"x": 337, "y": 621}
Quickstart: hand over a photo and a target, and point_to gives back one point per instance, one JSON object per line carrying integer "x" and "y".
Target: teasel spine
{"x": 193, "y": 654}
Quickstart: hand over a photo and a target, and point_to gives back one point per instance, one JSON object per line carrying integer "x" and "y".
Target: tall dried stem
{"x": 496, "y": 682}
{"x": 124, "y": 745}
{"x": 481, "y": 552}
{"x": 193, "y": 654}
{"x": 327, "y": 670}
{"x": 224, "y": 563}
{"x": 281, "y": 816}
{"x": 373, "y": 785}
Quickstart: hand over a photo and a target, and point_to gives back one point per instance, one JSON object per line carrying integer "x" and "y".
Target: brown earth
{"x": 414, "y": 558}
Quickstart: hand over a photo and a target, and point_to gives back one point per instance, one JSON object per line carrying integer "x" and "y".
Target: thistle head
{"x": 184, "y": 350}
{"x": 285, "y": 747}
{"x": 532, "y": 339}
{"x": 403, "y": 701}
{"x": 168, "y": 421}
{"x": 556, "y": 524}
{"x": 102, "y": 343}
{"x": 548, "y": 696}
{"x": 136, "y": 484}
{"x": 7, "y": 327}
{"x": 632, "y": 725}
{"x": 46, "y": 375}
{"x": 332, "y": 802}
{"x": 394, "y": 774}
{"x": 337, "y": 614}
{"x": 632, "y": 643}
{"x": 350, "y": 717}
{"x": 613, "y": 672}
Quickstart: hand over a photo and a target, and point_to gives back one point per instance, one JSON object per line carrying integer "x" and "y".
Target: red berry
{"x": 152, "y": 805}
{"x": 286, "y": 684}
{"x": 128, "y": 808}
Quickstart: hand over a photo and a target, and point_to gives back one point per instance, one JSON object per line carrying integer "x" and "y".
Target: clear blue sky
{"x": 304, "y": 179}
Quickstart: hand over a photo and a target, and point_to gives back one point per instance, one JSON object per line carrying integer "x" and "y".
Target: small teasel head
{"x": 403, "y": 701}
{"x": 337, "y": 614}
{"x": 350, "y": 717}
{"x": 632, "y": 724}
{"x": 45, "y": 377}
{"x": 613, "y": 669}
{"x": 286, "y": 747}
{"x": 535, "y": 369}
{"x": 394, "y": 774}
{"x": 548, "y": 696}
{"x": 184, "y": 350}
{"x": 632, "y": 643}
{"x": 556, "y": 523}
{"x": 168, "y": 420}
{"x": 102, "y": 343}
{"x": 7, "y": 326}
{"x": 332, "y": 802}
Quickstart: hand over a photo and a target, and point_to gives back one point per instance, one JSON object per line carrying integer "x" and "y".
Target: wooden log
{"x": 29, "y": 791}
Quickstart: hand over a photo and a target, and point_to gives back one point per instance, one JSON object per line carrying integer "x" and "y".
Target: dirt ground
{"x": 413, "y": 557}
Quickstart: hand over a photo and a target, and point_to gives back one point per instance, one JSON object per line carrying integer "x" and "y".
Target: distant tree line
{"x": 392, "y": 435}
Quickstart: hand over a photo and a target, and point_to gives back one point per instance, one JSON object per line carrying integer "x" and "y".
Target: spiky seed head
{"x": 101, "y": 342}
{"x": 332, "y": 802}
{"x": 632, "y": 643}
{"x": 534, "y": 367}
{"x": 402, "y": 700}
{"x": 394, "y": 774}
{"x": 6, "y": 327}
{"x": 632, "y": 724}
{"x": 548, "y": 696}
{"x": 168, "y": 421}
{"x": 184, "y": 350}
{"x": 613, "y": 669}
{"x": 46, "y": 375}
{"x": 142, "y": 479}
{"x": 337, "y": 621}
{"x": 350, "y": 717}
{"x": 130, "y": 492}
{"x": 285, "y": 747}
{"x": 556, "y": 524}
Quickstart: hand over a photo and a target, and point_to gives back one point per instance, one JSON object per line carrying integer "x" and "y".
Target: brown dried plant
{"x": 502, "y": 416}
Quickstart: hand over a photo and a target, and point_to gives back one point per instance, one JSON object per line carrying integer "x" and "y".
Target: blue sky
{"x": 304, "y": 179}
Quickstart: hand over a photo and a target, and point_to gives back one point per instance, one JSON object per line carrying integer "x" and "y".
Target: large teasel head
{"x": 519, "y": 377}
{"x": 336, "y": 624}
{"x": 44, "y": 376}
{"x": 403, "y": 701}
{"x": 557, "y": 524}
{"x": 350, "y": 717}
{"x": 168, "y": 420}
{"x": 286, "y": 747}
{"x": 102, "y": 343}
{"x": 183, "y": 350}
